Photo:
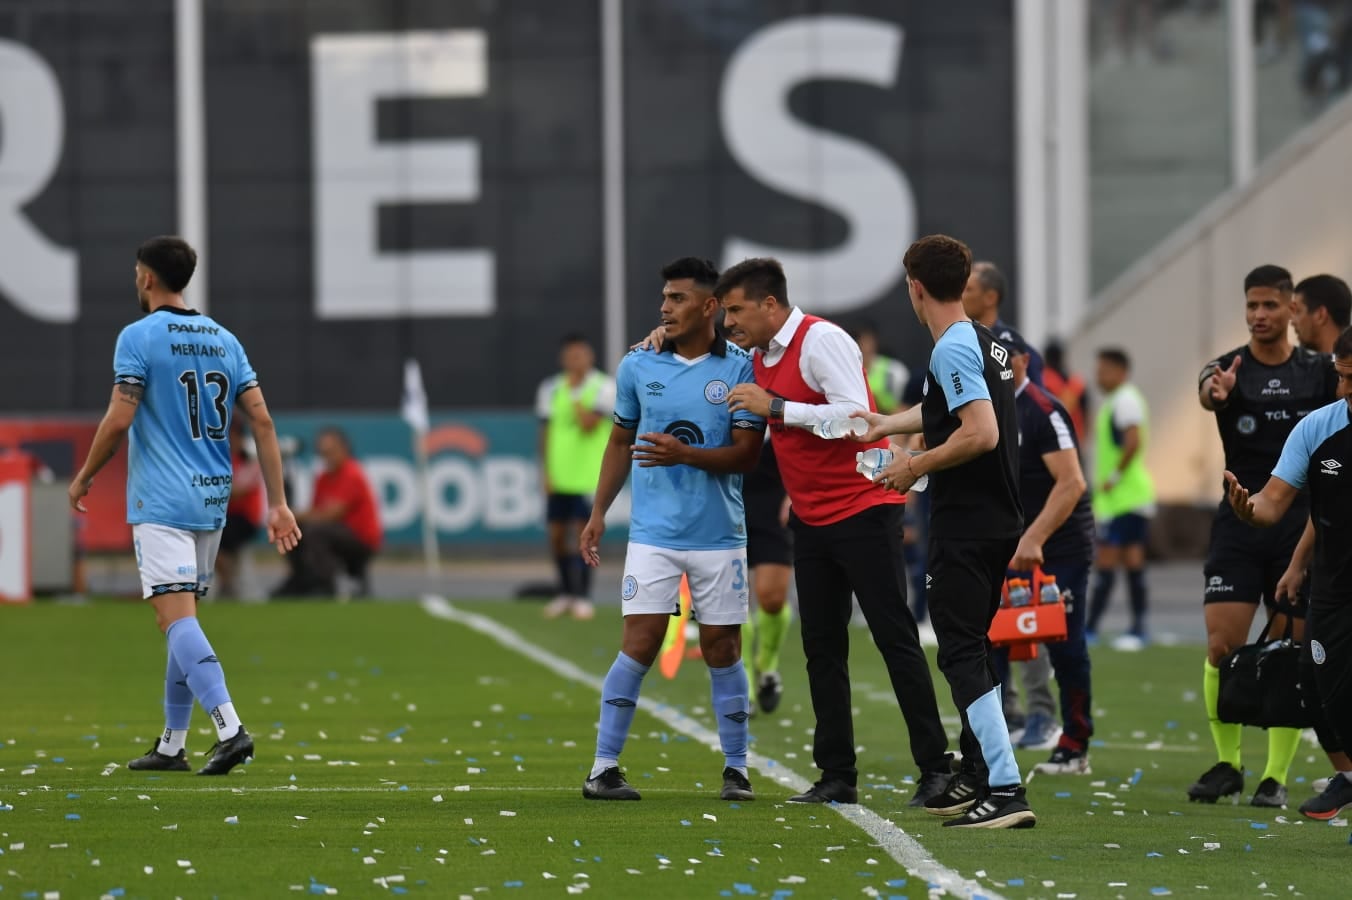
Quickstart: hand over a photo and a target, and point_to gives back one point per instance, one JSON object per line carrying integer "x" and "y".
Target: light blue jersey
{"x": 178, "y": 464}
{"x": 681, "y": 507}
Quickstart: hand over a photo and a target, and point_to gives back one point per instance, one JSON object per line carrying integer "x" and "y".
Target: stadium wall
{"x": 1183, "y": 303}
{"x": 381, "y": 180}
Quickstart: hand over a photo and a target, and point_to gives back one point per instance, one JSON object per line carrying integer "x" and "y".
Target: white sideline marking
{"x": 897, "y": 843}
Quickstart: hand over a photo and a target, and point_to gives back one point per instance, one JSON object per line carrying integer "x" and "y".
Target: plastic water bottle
{"x": 1020, "y": 594}
{"x": 833, "y": 429}
{"x": 871, "y": 462}
{"x": 1050, "y": 593}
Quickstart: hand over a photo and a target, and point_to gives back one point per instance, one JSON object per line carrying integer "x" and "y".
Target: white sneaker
{"x": 558, "y": 606}
{"x": 927, "y": 636}
{"x": 1064, "y": 762}
{"x": 583, "y": 610}
{"x": 1129, "y": 643}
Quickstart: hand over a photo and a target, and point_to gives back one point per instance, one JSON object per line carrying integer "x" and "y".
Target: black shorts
{"x": 237, "y": 532}
{"x": 568, "y": 508}
{"x": 963, "y": 580}
{"x": 767, "y": 541}
{"x": 1126, "y": 530}
{"x": 1244, "y": 564}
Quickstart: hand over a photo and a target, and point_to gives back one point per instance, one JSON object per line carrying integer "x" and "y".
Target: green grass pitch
{"x": 402, "y": 754}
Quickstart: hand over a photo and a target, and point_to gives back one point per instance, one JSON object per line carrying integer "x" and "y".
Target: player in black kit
{"x": 1314, "y": 463}
{"x": 971, "y": 427}
{"x": 1258, "y": 393}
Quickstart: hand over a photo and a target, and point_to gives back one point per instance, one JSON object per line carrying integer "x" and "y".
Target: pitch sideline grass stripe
{"x": 899, "y": 845}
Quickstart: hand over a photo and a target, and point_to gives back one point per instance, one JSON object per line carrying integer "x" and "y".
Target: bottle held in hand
{"x": 871, "y": 462}
{"x": 834, "y": 429}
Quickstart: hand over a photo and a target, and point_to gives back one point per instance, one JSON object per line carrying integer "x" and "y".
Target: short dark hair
{"x": 1329, "y": 292}
{"x": 941, "y": 264}
{"x": 991, "y": 278}
{"x": 1116, "y": 355}
{"x": 867, "y": 326}
{"x": 172, "y": 260}
{"x": 758, "y": 277}
{"x": 1342, "y": 348}
{"x": 1268, "y": 277}
{"x": 701, "y": 271}
{"x": 573, "y": 337}
{"x": 337, "y": 434}
{"x": 1054, "y": 354}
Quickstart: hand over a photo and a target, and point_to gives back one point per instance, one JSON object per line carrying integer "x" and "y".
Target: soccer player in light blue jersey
{"x": 687, "y": 452}
{"x": 177, "y": 376}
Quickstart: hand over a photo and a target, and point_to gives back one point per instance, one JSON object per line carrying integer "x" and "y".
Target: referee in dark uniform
{"x": 971, "y": 427}
{"x": 1318, "y": 456}
{"x": 1258, "y": 392}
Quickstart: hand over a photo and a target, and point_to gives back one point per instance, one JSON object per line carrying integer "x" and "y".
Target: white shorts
{"x": 719, "y": 591}
{"x": 172, "y": 560}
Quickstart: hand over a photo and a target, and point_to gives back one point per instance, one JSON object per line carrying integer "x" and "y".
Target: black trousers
{"x": 861, "y": 555}
{"x": 326, "y": 550}
{"x": 964, "y": 592}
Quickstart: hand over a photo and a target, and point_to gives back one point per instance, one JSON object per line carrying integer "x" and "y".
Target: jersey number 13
{"x": 218, "y": 380}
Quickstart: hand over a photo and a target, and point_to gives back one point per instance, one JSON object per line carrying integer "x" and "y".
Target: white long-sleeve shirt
{"x": 830, "y": 363}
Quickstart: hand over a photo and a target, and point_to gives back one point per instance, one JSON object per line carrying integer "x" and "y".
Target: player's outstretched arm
{"x": 909, "y": 421}
{"x": 282, "y": 528}
{"x": 116, "y": 421}
{"x": 1264, "y": 508}
{"x": 614, "y": 470}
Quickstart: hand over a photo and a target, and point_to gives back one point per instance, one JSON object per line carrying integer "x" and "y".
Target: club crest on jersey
{"x": 1246, "y": 425}
{"x": 716, "y": 392}
{"x": 629, "y": 587}
{"x": 999, "y": 354}
{"x": 1317, "y": 653}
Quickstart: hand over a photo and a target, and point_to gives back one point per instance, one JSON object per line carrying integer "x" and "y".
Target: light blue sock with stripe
{"x": 177, "y": 708}
{"x": 206, "y": 678}
{"x": 728, "y": 688}
{"x": 619, "y": 700}
{"x": 988, "y": 724}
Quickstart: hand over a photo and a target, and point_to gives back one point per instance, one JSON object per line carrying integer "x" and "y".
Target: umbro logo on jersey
{"x": 1331, "y": 466}
{"x": 999, "y": 354}
{"x": 655, "y": 388}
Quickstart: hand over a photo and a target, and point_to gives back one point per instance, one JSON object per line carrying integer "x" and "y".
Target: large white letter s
{"x": 817, "y": 166}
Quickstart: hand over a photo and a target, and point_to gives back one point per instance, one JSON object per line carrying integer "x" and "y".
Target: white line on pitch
{"x": 896, "y": 842}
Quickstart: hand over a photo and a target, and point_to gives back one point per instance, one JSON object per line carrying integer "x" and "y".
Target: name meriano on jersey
{"x": 178, "y": 463}
{"x": 682, "y": 507}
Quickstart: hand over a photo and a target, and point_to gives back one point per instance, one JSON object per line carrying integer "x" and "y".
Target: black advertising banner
{"x": 395, "y": 179}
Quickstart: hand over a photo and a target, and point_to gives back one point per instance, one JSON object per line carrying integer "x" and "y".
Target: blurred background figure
{"x": 887, "y": 377}
{"x": 1124, "y": 496}
{"x": 341, "y": 528}
{"x": 981, "y": 299}
{"x": 243, "y": 515}
{"x": 574, "y": 408}
{"x": 1066, "y": 386}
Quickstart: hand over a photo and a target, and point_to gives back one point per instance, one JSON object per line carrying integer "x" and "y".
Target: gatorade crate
{"x": 1022, "y": 628}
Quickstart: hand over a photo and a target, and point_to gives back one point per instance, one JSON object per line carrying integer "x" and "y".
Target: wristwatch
{"x": 777, "y": 409}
